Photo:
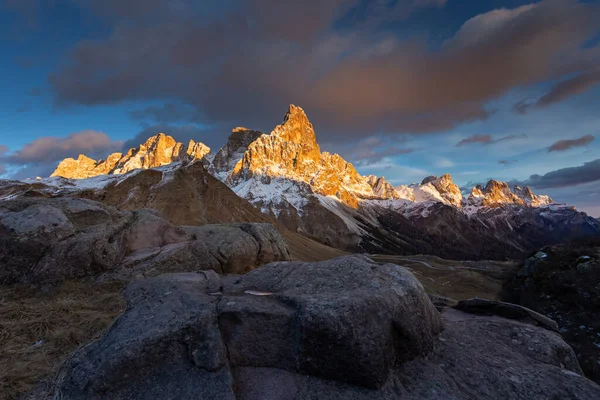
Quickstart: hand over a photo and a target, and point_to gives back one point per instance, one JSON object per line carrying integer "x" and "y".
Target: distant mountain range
{"x": 320, "y": 195}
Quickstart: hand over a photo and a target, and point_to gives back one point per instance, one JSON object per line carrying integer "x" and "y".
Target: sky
{"x": 506, "y": 90}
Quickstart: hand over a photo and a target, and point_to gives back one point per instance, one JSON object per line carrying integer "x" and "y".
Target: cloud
{"x": 242, "y": 62}
{"x": 487, "y": 139}
{"x": 563, "y": 145}
{"x": 42, "y": 155}
{"x": 507, "y": 162}
{"x": 564, "y": 177}
{"x": 373, "y": 149}
{"x": 562, "y": 91}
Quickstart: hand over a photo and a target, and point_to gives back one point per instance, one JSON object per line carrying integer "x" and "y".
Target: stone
{"x": 314, "y": 330}
{"x": 157, "y": 151}
{"x": 506, "y": 310}
{"x": 49, "y": 240}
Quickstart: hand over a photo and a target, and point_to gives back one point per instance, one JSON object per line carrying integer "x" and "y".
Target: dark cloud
{"x": 487, "y": 139}
{"x": 49, "y": 148}
{"x": 569, "y": 88}
{"x": 242, "y": 62}
{"x": 40, "y": 157}
{"x": 567, "y": 144}
{"x": 564, "y": 177}
{"x": 562, "y": 91}
{"x": 507, "y": 162}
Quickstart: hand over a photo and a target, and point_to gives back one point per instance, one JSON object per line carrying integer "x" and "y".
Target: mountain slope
{"x": 321, "y": 196}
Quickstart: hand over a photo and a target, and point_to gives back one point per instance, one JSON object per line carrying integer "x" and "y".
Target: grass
{"x": 40, "y": 329}
{"x": 459, "y": 280}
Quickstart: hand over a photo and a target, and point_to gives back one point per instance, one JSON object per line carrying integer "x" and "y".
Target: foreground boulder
{"x": 48, "y": 240}
{"x": 347, "y": 328}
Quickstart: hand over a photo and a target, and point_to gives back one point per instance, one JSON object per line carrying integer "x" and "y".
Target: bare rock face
{"x": 82, "y": 167}
{"x": 291, "y": 151}
{"x": 233, "y": 151}
{"x": 447, "y": 189}
{"x": 531, "y": 199}
{"x": 382, "y": 188}
{"x": 157, "y": 151}
{"x": 48, "y": 240}
{"x": 476, "y": 197}
{"x": 498, "y": 193}
{"x": 347, "y": 328}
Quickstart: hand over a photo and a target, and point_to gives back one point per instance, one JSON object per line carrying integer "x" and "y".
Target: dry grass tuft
{"x": 38, "y": 330}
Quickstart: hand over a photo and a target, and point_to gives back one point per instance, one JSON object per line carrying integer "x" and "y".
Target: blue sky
{"x": 393, "y": 86}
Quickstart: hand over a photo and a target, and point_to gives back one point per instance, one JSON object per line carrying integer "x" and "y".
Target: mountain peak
{"x": 296, "y": 128}
{"x": 157, "y": 150}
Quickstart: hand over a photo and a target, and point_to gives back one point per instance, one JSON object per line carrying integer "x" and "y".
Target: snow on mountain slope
{"x": 320, "y": 195}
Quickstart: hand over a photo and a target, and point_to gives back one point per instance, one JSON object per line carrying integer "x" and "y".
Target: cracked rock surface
{"x": 346, "y": 328}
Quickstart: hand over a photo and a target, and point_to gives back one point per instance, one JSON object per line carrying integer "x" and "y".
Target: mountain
{"x": 156, "y": 151}
{"x": 323, "y": 197}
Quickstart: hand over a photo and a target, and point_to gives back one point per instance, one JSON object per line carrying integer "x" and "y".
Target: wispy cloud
{"x": 562, "y": 91}
{"x": 567, "y": 144}
{"x": 487, "y": 139}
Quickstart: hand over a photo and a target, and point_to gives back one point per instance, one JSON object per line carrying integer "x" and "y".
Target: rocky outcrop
{"x": 382, "y": 188}
{"x": 291, "y": 152}
{"x": 157, "y": 151}
{"x": 233, "y": 151}
{"x": 49, "y": 240}
{"x": 446, "y": 188}
{"x": 347, "y": 328}
{"x": 563, "y": 283}
{"x": 531, "y": 199}
{"x": 498, "y": 193}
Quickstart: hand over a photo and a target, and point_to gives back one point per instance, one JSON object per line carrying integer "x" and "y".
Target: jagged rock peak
{"x": 527, "y": 195}
{"x": 296, "y": 128}
{"x": 382, "y": 188}
{"x": 291, "y": 152}
{"x": 157, "y": 150}
{"x": 447, "y": 189}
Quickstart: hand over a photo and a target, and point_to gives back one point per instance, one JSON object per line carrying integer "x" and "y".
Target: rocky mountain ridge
{"x": 322, "y": 196}
{"x": 157, "y": 151}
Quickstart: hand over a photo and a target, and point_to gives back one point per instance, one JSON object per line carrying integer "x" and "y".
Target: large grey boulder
{"x": 347, "y": 319}
{"x": 52, "y": 239}
{"x": 233, "y": 248}
{"x": 48, "y": 240}
{"x": 342, "y": 329}
{"x": 354, "y": 319}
